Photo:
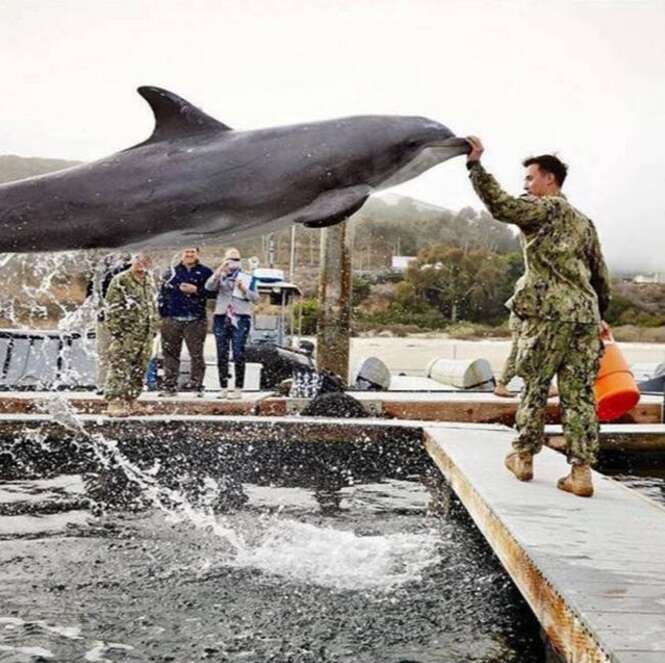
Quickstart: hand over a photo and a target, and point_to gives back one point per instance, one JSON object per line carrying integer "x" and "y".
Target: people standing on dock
{"x": 561, "y": 303}
{"x": 131, "y": 317}
{"x": 98, "y": 286}
{"x": 182, "y": 307}
{"x": 236, "y": 295}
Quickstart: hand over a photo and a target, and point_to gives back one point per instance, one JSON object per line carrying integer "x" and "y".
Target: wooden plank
{"x": 148, "y": 403}
{"x": 468, "y": 410}
{"x": 615, "y": 437}
{"x": 487, "y": 408}
{"x": 566, "y": 553}
{"x": 457, "y": 406}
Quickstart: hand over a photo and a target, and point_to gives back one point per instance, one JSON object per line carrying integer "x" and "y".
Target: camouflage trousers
{"x": 510, "y": 367}
{"x": 571, "y": 351}
{"x": 128, "y": 358}
{"x": 103, "y": 337}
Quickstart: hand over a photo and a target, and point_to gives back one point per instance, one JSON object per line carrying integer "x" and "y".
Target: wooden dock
{"x": 618, "y": 437}
{"x": 592, "y": 570}
{"x": 457, "y": 406}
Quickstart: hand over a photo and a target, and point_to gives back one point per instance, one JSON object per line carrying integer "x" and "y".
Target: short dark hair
{"x": 549, "y": 164}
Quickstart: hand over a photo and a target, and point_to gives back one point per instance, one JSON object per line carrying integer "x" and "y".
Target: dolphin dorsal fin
{"x": 175, "y": 117}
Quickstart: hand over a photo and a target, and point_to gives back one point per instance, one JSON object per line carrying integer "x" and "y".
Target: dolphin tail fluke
{"x": 175, "y": 117}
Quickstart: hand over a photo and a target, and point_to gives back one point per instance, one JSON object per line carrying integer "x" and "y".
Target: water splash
{"x": 18, "y": 628}
{"x": 340, "y": 559}
{"x": 100, "y": 648}
{"x": 46, "y": 284}
{"x": 277, "y": 546}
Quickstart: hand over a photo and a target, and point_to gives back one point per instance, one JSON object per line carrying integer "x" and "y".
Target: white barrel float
{"x": 462, "y": 373}
{"x": 371, "y": 374}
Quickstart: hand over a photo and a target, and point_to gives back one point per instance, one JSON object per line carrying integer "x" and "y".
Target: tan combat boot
{"x": 502, "y": 391}
{"x": 520, "y": 464}
{"x": 134, "y": 407}
{"x": 117, "y": 407}
{"x": 578, "y": 481}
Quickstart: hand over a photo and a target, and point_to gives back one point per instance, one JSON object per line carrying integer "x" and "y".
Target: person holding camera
{"x": 236, "y": 295}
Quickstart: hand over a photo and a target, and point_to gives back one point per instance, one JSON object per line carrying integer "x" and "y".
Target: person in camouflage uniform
{"x": 560, "y": 302}
{"x": 97, "y": 287}
{"x": 130, "y": 310}
{"x": 510, "y": 367}
{"x": 514, "y": 323}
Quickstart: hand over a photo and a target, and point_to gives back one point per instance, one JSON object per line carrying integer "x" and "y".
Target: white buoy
{"x": 371, "y": 374}
{"x": 462, "y": 373}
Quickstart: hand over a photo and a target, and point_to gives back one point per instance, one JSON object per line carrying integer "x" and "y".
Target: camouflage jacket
{"x": 565, "y": 275}
{"x": 130, "y": 306}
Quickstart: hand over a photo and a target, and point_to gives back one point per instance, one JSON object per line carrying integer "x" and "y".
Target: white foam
{"x": 100, "y": 648}
{"x": 339, "y": 559}
{"x": 28, "y": 651}
{"x": 11, "y": 622}
{"x": 71, "y": 632}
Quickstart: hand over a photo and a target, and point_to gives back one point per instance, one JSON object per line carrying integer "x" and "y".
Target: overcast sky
{"x": 584, "y": 79}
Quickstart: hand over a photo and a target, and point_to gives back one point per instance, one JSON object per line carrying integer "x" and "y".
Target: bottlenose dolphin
{"x": 196, "y": 179}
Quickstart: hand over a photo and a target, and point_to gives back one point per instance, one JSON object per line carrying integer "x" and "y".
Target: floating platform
{"x": 592, "y": 570}
{"x": 618, "y": 437}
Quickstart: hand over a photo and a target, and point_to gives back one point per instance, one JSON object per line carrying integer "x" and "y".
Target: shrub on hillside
{"x": 310, "y": 312}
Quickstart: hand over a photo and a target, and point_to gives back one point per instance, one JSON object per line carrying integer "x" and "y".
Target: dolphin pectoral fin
{"x": 333, "y": 207}
{"x": 175, "y": 117}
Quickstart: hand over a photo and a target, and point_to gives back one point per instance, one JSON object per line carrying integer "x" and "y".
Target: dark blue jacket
{"x": 173, "y": 303}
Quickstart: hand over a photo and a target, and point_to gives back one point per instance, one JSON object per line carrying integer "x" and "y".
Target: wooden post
{"x": 334, "y": 320}
{"x": 292, "y": 255}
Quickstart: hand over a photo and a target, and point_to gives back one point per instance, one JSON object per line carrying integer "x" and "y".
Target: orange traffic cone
{"x": 615, "y": 389}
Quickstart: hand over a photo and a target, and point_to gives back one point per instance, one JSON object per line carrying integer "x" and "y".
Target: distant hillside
{"x": 13, "y": 167}
{"x": 400, "y": 225}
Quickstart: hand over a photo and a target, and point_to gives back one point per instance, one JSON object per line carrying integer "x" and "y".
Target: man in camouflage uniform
{"x": 132, "y": 321}
{"x": 561, "y": 301}
{"x": 97, "y": 288}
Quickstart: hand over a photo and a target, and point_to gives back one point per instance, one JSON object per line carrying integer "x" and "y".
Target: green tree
{"x": 360, "y": 290}
{"x": 462, "y": 284}
{"x": 309, "y": 308}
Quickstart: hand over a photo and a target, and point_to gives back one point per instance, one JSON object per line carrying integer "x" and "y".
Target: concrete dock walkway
{"x": 592, "y": 570}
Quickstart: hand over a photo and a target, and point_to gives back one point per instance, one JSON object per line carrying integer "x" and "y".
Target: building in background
{"x": 401, "y": 263}
{"x": 649, "y": 278}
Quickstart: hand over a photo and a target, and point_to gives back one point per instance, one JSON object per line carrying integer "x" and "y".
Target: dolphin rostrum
{"x": 196, "y": 179}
